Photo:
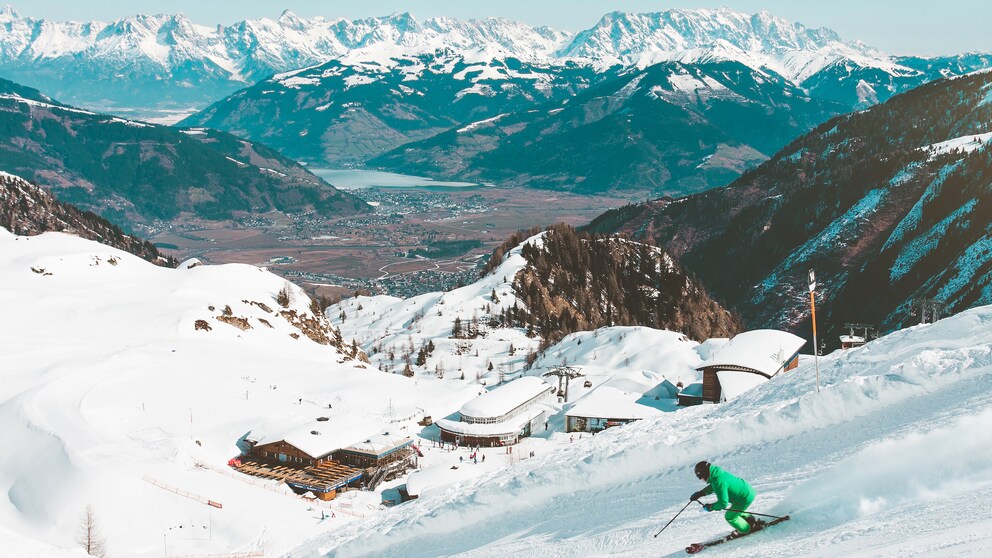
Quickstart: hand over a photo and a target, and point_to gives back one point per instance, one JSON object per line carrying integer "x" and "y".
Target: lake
{"x": 348, "y": 179}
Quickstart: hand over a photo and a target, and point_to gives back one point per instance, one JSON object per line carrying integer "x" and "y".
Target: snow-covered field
{"x": 110, "y": 397}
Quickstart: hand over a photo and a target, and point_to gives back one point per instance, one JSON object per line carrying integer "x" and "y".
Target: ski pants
{"x": 737, "y": 519}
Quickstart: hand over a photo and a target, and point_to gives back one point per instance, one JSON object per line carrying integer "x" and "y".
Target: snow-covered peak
{"x": 701, "y": 35}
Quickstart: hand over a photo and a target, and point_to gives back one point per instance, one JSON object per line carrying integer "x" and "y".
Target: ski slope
{"x": 892, "y": 457}
{"x": 110, "y": 397}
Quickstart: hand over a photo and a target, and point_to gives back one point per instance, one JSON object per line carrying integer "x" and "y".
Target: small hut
{"x": 748, "y": 359}
{"x": 607, "y": 407}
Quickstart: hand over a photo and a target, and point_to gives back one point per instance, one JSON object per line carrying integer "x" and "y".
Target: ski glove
{"x": 697, "y": 495}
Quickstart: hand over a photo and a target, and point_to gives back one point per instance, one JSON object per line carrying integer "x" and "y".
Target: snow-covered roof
{"x": 611, "y": 403}
{"x": 692, "y": 390}
{"x": 381, "y": 444}
{"x": 510, "y": 426}
{"x": 733, "y": 383}
{"x": 762, "y": 350}
{"x": 320, "y": 438}
{"x": 852, "y": 339}
{"x": 506, "y": 397}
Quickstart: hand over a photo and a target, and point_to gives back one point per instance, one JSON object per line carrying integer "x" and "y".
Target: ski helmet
{"x": 703, "y": 470}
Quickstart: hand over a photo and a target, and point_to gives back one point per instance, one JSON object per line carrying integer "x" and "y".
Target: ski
{"x": 760, "y": 525}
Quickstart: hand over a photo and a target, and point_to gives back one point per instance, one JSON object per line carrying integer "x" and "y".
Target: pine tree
{"x": 408, "y": 370}
{"x": 456, "y": 330}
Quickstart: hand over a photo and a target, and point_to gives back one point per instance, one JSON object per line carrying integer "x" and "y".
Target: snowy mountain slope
{"x": 351, "y": 109}
{"x": 391, "y": 330}
{"x": 115, "y": 374}
{"x": 671, "y": 128}
{"x": 889, "y": 205}
{"x": 544, "y": 288}
{"x": 878, "y": 463}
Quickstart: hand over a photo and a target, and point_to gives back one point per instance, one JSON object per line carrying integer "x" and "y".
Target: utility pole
{"x": 812, "y": 306}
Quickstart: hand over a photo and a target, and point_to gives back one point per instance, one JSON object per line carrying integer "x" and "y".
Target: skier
{"x": 732, "y": 493}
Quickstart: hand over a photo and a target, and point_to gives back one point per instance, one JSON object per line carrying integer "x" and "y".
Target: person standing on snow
{"x": 732, "y": 493}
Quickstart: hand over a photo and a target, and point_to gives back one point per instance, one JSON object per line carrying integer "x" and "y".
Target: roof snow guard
{"x": 762, "y": 351}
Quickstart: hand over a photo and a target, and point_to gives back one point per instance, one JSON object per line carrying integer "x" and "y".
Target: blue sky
{"x": 895, "y": 26}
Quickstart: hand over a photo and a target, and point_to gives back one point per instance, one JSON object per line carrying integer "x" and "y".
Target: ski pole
{"x": 758, "y": 514}
{"x": 672, "y": 519}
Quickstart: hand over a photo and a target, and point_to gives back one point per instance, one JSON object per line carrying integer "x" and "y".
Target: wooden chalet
{"x": 748, "y": 359}
{"x": 315, "y": 458}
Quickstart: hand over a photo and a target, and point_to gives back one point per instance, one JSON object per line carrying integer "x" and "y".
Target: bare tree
{"x": 89, "y": 538}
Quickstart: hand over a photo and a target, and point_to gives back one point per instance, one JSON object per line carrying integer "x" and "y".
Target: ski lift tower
{"x": 564, "y": 373}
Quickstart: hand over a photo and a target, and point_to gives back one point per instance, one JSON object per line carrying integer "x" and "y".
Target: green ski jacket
{"x": 728, "y": 489}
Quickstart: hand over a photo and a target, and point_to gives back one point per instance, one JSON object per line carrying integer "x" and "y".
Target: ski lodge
{"x": 502, "y": 416}
{"x": 608, "y": 406}
{"x": 747, "y": 360}
{"x": 322, "y": 458}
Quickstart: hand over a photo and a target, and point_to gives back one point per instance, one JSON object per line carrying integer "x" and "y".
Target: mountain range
{"x": 150, "y": 61}
{"x": 670, "y": 103}
{"x": 147, "y": 61}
